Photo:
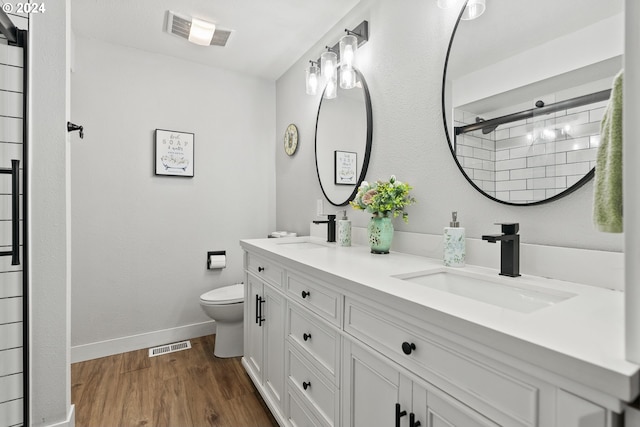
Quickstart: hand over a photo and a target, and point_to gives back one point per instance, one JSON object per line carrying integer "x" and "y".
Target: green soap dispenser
{"x": 344, "y": 230}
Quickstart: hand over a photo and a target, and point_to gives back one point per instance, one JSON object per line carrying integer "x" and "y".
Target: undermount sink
{"x": 518, "y": 296}
{"x": 304, "y": 244}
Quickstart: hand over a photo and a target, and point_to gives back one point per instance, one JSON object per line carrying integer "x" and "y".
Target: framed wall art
{"x": 345, "y": 168}
{"x": 174, "y": 153}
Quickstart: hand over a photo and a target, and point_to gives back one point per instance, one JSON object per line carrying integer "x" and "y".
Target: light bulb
{"x": 328, "y": 64}
{"x": 348, "y": 49}
{"x": 312, "y": 80}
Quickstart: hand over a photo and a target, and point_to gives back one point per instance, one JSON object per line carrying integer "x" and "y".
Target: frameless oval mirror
{"x": 524, "y": 89}
{"x": 344, "y": 129}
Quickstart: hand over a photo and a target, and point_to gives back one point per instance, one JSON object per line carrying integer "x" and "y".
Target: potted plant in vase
{"x": 385, "y": 200}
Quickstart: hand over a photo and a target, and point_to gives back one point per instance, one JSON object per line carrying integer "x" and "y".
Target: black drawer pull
{"x": 399, "y": 414}
{"x": 306, "y": 385}
{"x": 305, "y": 294}
{"x": 407, "y": 348}
{"x": 260, "y": 269}
{"x": 306, "y": 336}
{"x": 412, "y": 421}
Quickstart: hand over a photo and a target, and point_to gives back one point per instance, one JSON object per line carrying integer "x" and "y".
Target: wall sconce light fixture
{"x": 342, "y": 55}
{"x": 473, "y": 9}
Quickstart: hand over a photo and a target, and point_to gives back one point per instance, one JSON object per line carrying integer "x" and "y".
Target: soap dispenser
{"x": 454, "y": 243}
{"x": 344, "y": 230}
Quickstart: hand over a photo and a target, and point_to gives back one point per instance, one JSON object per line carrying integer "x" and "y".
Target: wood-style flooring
{"x": 182, "y": 389}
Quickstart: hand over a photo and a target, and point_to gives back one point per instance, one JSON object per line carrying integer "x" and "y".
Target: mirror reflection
{"x": 343, "y": 142}
{"x": 525, "y": 88}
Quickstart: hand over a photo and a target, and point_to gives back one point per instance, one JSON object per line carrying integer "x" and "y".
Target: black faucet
{"x": 331, "y": 227}
{"x": 509, "y": 248}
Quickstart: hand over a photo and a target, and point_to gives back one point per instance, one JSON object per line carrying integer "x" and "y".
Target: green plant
{"x": 384, "y": 198}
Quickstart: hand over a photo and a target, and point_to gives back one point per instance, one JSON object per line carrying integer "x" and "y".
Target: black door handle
{"x": 306, "y": 336}
{"x": 261, "y": 319}
{"x": 305, "y": 294}
{"x": 15, "y": 212}
{"x": 306, "y": 385}
{"x": 399, "y": 414}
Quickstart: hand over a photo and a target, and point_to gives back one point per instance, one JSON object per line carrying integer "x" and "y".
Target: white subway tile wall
{"x": 531, "y": 160}
{"x": 11, "y": 316}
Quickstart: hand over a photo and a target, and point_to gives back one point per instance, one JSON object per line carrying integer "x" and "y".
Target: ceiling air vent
{"x": 180, "y": 25}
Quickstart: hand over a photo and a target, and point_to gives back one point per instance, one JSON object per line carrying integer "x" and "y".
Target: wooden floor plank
{"x": 185, "y": 388}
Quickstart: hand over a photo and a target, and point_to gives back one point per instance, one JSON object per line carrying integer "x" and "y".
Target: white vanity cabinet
{"x": 330, "y": 351}
{"x": 264, "y": 321}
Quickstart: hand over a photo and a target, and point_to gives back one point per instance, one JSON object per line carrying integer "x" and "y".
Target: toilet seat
{"x": 232, "y": 294}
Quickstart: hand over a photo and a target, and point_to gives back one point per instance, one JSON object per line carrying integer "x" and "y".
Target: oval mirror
{"x": 524, "y": 89}
{"x": 344, "y": 131}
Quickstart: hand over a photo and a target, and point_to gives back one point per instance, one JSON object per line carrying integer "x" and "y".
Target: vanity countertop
{"x": 581, "y": 338}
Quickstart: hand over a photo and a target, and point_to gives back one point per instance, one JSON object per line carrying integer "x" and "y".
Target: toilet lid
{"x": 225, "y": 295}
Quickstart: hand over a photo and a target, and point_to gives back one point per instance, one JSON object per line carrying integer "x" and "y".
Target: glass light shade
{"x": 348, "y": 49}
{"x": 312, "y": 80}
{"x": 201, "y": 32}
{"x": 331, "y": 91}
{"x": 328, "y": 64}
{"x": 347, "y": 77}
{"x": 445, "y": 4}
{"x": 474, "y": 9}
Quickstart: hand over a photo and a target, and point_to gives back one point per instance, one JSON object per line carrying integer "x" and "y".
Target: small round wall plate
{"x": 291, "y": 139}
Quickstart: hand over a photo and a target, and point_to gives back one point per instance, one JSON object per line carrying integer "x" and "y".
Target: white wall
{"x": 49, "y": 272}
{"x": 404, "y": 60}
{"x": 139, "y": 240}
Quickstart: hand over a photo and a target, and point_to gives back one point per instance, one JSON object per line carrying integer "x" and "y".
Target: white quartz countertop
{"x": 581, "y": 338}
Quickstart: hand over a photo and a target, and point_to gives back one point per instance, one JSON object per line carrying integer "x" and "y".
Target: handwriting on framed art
{"x": 174, "y": 153}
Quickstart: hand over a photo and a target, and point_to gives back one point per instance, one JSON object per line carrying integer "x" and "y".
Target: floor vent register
{"x": 169, "y": 348}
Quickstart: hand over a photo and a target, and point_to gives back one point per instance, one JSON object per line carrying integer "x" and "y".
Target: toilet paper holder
{"x": 216, "y": 260}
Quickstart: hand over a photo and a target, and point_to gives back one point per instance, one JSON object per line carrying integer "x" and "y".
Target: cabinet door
{"x": 274, "y": 349}
{"x": 253, "y": 348}
{"x": 371, "y": 390}
{"x": 434, "y": 408}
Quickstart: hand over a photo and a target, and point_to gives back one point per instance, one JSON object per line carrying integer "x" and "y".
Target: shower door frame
{"x": 19, "y": 38}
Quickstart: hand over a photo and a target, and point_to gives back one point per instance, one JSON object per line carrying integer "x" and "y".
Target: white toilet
{"x": 225, "y": 305}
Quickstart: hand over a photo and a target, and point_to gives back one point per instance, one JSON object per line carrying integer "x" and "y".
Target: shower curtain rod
{"x": 527, "y": 114}
{"x": 7, "y": 28}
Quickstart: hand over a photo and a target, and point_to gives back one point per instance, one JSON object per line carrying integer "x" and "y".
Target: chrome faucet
{"x": 331, "y": 227}
{"x": 509, "y": 248}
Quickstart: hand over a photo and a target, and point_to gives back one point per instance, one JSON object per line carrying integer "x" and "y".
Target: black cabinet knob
{"x": 260, "y": 269}
{"x": 305, "y": 294}
{"x": 306, "y": 385}
{"x": 407, "y": 348}
{"x": 306, "y": 336}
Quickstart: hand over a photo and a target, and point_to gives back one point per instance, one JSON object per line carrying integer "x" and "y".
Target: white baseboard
{"x": 69, "y": 422}
{"x": 98, "y": 349}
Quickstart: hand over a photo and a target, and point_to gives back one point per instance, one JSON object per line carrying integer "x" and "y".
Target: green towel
{"x": 607, "y": 203}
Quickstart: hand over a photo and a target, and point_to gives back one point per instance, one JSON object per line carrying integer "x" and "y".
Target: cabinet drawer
{"x": 441, "y": 363}
{"x": 265, "y": 269}
{"x": 317, "y": 298}
{"x": 317, "y": 339}
{"x": 299, "y": 415}
{"x": 317, "y": 391}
